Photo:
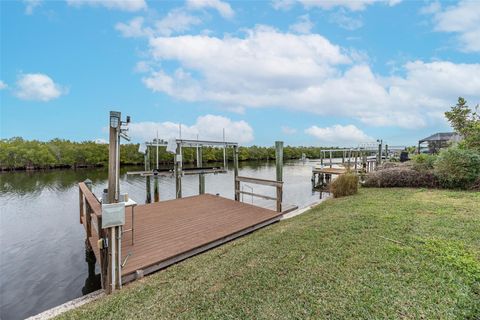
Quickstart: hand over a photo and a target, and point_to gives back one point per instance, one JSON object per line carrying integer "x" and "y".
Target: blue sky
{"x": 331, "y": 72}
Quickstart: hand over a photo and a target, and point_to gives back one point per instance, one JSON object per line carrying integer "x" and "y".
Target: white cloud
{"x": 462, "y": 19}
{"x": 223, "y": 8}
{"x": 303, "y": 26}
{"x": 124, "y": 5}
{"x": 288, "y": 130}
{"x": 345, "y": 21}
{"x": 208, "y": 127}
{"x": 37, "y": 86}
{"x": 308, "y": 73}
{"x": 352, "y": 5}
{"x": 176, "y": 21}
{"x": 134, "y": 28}
{"x": 30, "y": 5}
{"x": 3, "y": 85}
{"x": 339, "y": 135}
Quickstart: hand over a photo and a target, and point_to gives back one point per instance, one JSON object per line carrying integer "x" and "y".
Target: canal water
{"x": 42, "y": 250}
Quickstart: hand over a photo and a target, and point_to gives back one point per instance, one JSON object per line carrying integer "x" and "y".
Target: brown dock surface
{"x": 169, "y": 231}
{"x": 330, "y": 170}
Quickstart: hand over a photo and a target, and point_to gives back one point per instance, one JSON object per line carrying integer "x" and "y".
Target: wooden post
{"x": 156, "y": 193}
{"x": 379, "y": 157}
{"x": 147, "y": 178}
{"x": 343, "y": 156}
{"x": 279, "y": 172}
{"x": 356, "y": 159}
{"x": 201, "y": 176}
{"x": 81, "y": 203}
{"x": 235, "y": 174}
{"x": 178, "y": 172}
{"x": 321, "y": 157}
{"x": 113, "y": 188}
{"x": 88, "y": 211}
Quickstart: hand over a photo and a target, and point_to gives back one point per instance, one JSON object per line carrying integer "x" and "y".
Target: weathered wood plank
{"x": 265, "y": 182}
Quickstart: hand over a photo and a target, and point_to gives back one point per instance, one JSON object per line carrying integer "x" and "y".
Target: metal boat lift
{"x": 178, "y": 170}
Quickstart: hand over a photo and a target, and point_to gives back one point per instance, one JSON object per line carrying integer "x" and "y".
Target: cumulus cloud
{"x": 303, "y": 25}
{"x": 208, "y": 127}
{"x": 345, "y": 21}
{"x": 223, "y": 8}
{"x": 268, "y": 68}
{"x": 3, "y": 85}
{"x": 37, "y": 86}
{"x": 339, "y": 135}
{"x": 134, "y": 28}
{"x": 30, "y": 5}
{"x": 355, "y": 5}
{"x": 176, "y": 21}
{"x": 462, "y": 19}
{"x": 123, "y": 5}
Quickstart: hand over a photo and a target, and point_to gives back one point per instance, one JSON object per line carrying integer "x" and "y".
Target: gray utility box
{"x": 113, "y": 215}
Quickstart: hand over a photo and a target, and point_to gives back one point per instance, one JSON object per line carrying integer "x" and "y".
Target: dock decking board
{"x": 169, "y": 231}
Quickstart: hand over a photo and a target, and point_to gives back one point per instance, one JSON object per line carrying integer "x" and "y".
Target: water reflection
{"x": 93, "y": 281}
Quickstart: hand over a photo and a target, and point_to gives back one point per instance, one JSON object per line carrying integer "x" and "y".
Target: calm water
{"x": 42, "y": 253}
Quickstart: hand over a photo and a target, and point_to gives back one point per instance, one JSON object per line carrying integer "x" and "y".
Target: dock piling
{"x": 279, "y": 172}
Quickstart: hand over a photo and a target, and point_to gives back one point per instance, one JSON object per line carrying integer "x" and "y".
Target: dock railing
{"x": 277, "y": 184}
{"x": 91, "y": 218}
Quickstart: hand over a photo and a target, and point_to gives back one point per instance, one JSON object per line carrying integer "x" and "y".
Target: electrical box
{"x": 113, "y": 215}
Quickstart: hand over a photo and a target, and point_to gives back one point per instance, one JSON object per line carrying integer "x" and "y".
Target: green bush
{"x": 423, "y": 162}
{"x": 457, "y": 168}
{"x": 401, "y": 177}
{"x": 344, "y": 185}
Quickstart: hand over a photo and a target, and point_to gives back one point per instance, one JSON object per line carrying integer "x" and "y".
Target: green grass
{"x": 333, "y": 262}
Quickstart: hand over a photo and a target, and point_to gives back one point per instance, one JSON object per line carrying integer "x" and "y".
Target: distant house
{"x": 437, "y": 141}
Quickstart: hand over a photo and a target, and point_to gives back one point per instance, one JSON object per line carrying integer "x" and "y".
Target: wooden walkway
{"x": 170, "y": 231}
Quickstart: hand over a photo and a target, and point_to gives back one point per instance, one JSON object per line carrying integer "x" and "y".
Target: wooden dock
{"x": 170, "y": 231}
{"x": 330, "y": 171}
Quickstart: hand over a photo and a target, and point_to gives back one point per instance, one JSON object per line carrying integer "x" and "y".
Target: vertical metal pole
{"x": 201, "y": 176}
{"x": 279, "y": 173}
{"x": 330, "y": 158}
{"x": 112, "y": 258}
{"x": 147, "y": 178}
{"x": 386, "y": 151}
{"x": 224, "y": 151}
{"x": 157, "y": 152}
{"x": 117, "y": 173}
{"x": 118, "y": 263}
{"x": 235, "y": 173}
{"x": 178, "y": 171}
{"x": 322, "y": 155}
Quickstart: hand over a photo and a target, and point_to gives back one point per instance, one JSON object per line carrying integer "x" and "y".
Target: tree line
{"x": 18, "y": 153}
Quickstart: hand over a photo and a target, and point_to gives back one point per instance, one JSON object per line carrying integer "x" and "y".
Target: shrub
{"x": 344, "y": 185}
{"x": 457, "y": 168}
{"x": 423, "y": 162}
{"x": 401, "y": 177}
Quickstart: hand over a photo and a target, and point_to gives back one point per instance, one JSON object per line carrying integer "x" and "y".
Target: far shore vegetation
{"x": 19, "y": 154}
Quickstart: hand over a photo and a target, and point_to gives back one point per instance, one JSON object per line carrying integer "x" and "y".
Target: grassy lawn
{"x": 381, "y": 254}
